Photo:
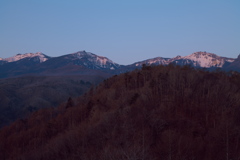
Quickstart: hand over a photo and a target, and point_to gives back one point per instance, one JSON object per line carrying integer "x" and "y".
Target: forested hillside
{"x": 162, "y": 112}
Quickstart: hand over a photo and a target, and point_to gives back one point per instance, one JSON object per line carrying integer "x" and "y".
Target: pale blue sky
{"x": 125, "y": 31}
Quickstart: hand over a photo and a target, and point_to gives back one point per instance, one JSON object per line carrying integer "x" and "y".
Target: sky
{"x": 125, "y": 31}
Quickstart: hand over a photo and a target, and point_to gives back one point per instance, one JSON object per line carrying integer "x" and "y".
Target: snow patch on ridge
{"x": 18, "y": 57}
{"x": 157, "y": 61}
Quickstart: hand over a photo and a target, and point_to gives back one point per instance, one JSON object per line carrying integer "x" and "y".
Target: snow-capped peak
{"x": 91, "y": 60}
{"x": 18, "y": 57}
{"x": 178, "y": 57}
{"x": 102, "y": 61}
{"x": 83, "y": 53}
{"x": 208, "y": 60}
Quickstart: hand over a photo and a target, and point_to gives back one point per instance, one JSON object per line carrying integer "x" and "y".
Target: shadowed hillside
{"x": 23, "y": 95}
{"x": 163, "y": 112}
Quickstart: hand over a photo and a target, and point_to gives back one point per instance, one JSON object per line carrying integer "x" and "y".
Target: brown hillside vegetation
{"x": 157, "y": 113}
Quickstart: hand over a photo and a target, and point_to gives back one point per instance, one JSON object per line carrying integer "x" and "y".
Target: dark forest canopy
{"x": 161, "y": 112}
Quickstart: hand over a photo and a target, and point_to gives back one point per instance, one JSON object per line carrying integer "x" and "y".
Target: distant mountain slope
{"x": 21, "y": 64}
{"x": 234, "y": 66}
{"x": 23, "y": 95}
{"x": 18, "y": 68}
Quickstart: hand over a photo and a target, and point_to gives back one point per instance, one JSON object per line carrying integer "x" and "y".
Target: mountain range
{"x": 32, "y": 81}
{"x": 85, "y": 63}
